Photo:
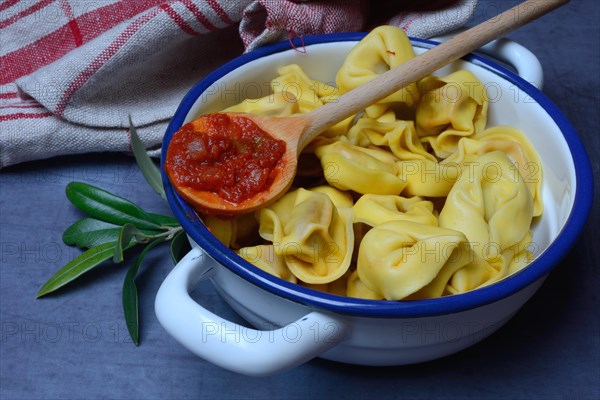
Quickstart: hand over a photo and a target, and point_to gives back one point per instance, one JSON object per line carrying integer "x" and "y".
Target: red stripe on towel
{"x": 12, "y": 117}
{"x": 102, "y": 58}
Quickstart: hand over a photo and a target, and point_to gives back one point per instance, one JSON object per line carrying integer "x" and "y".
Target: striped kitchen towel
{"x": 72, "y": 70}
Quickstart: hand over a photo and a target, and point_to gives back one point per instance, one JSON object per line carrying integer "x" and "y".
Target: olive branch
{"x": 112, "y": 228}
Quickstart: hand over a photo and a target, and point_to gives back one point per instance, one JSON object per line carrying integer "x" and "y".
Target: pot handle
{"x": 528, "y": 66}
{"x": 229, "y": 345}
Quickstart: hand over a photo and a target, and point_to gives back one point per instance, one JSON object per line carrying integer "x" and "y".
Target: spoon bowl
{"x": 290, "y": 130}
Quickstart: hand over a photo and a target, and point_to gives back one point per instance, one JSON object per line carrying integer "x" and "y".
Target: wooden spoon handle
{"x": 424, "y": 64}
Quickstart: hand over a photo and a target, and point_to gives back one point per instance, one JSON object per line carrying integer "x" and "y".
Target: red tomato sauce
{"x": 230, "y": 156}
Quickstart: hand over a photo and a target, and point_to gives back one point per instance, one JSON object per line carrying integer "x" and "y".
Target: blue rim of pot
{"x": 538, "y": 269}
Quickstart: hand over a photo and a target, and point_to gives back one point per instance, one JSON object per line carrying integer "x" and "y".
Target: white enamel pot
{"x": 294, "y": 324}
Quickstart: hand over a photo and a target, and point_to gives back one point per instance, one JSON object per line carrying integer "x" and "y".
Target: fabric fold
{"x": 71, "y": 71}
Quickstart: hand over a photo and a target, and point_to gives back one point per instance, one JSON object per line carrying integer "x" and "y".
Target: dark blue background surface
{"x": 75, "y": 344}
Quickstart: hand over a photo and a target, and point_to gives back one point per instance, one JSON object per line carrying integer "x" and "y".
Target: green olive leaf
{"x": 179, "y": 246}
{"x": 147, "y": 166}
{"x": 90, "y": 232}
{"x": 127, "y": 235}
{"x": 130, "y": 293}
{"x": 165, "y": 220}
{"x": 81, "y": 264}
{"x": 107, "y": 207}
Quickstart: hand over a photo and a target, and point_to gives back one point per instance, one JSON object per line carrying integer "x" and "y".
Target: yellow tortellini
{"x": 293, "y": 92}
{"x": 399, "y": 136}
{"x": 413, "y": 198}
{"x": 293, "y": 82}
{"x": 339, "y": 198}
{"x": 451, "y": 107}
{"x": 398, "y": 259}
{"x": 384, "y": 48}
{"x": 350, "y": 167}
{"x": 291, "y": 78}
{"x": 338, "y": 287}
{"x": 374, "y": 209}
{"x": 490, "y": 204}
{"x": 279, "y": 104}
{"x": 475, "y": 274}
{"x": 265, "y": 258}
{"x": 513, "y": 143}
{"x": 232, "y": 232}
{"x": 480, "y": 272}
{"x": 356, "y": 288}
{"x": 427, "y": 178}
{"x": 314, "y": 237}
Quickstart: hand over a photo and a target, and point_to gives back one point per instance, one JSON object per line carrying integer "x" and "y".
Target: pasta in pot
{"x": 356, "y": 288}
{"x": 276, "y": 104}
{"x": 399, "y": 136}
{"x": 490, "y": 204}
{"x": 314, "y": 237}
{"x": 513, "y": 143}
{"x": 309, "y": 94}
{"x": 480, "y": 272}
{"x": 339, "y": 198}
{"x": 421, "y": 199}
{"x": 233, "y": 232}
{"x": 338, "y": 287}
{"x": 373, "y": 210}
{"x": 398, "y": 259}
{"x": 427, "y": 178}
{"x": 384, "y": 48}
{"x": 455, "y": 107}
{"x": 350, "y": 167}
{"x": 265, "y": 258}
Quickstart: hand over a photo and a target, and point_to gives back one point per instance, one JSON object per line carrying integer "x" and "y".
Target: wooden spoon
{"x": 300, "y": 130}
